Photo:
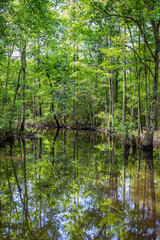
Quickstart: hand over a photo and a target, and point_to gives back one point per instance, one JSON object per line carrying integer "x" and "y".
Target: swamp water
{"x": 78, "y": 185}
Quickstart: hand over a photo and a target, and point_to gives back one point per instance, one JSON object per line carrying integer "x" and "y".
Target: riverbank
{"x": 48, "y": 126}
{"x": 33, "y": 128}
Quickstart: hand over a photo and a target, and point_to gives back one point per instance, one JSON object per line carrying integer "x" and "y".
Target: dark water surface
{"x": 78, "y": 185}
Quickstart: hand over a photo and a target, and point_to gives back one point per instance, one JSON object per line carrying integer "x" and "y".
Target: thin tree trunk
{"x": 93, "y": 110}
{"x": 139, "y": 94}
{"x": 39, "y": 81}
{"x": 139, "y": 104}
{"x": 116, "y": 86}
{"x": 124, "y": 90}
{"x": 110, "y": 80}
{"x": 14, "y": 100}
{"x": 24, "y": 87}
{"x": 105, "y": 84}
{"x": 77, "y": 94}
{"x": 52, "y": 105}
{"x": 9, "y": 54}
{"x": 131, "y": 96}
{"x": 74, "y": 90}
{"x": 111, "y": 108}
{"x": 53, "y": 148}
{"x": 33, "y": 101}
{"x": 146, "y": 91}
{"x": 124, "y": 95}
{"x": 64, "y": 117}
{"x": 112, "y": 101}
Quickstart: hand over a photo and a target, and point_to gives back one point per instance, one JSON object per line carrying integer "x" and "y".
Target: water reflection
{"x": 150, "y": 164}
{"x": 73, "y": 185}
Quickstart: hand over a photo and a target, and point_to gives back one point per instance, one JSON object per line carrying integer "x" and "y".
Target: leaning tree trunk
{"x": 52, "y": 106}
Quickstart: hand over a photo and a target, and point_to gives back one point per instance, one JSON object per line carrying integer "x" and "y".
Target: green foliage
{"x": 76, "y": 51}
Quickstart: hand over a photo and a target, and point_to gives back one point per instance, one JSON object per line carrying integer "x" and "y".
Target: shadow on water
{"x": 73, "y": 185}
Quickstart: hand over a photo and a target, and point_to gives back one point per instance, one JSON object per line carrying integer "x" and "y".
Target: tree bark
{"x": 146, "y": 92}
{"x": 111, "y": 108}
{"x": 124, "y": 90}
{"x": 105, "y": 103}
{"x": 124, "y": 96}
{"x": 148, "y": 140}
{"x": 14, "y": 100}
{"x": 39, "y": 81}
{"x": 24, "y": 87}
{"x": 139, "y": 103}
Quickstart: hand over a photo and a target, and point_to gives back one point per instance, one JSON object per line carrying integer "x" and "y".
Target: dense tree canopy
{"x": 80, "y": 63}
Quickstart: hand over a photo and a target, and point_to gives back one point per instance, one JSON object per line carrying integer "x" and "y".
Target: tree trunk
{"x": 39, "y": 81}
{"x": 139, "y": 93}
{"x": 116, "y": 85}
{"x": 139, "y": 103}
{"x": 124, "y": 95}
{"x": 55, "y": 118}
{"x": 124, "y": 90}
{"x": 24, "y": 87}
{"x": 33, "y": 101}
{"x": 77, "y": 93}
{"x": 111, "y": 108}
{"x": 52, "y": 105}
{"x": 131, "y": 97}
{"x": 5, "y": 104}
{"x": 146, "y": 91}
{"x": 105, "y": 103}
{"x": 14, "y": 100}
{"x": 148, "y": 139}
{"x": 64, "y": 105}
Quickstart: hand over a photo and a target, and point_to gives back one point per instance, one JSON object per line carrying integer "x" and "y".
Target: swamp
{"x": 79, "y": 120}
{"x": 78, "y": 185}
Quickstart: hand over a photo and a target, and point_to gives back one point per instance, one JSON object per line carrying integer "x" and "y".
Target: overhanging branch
{"x": 140, "y": 59}
{"x": 130, "y": 18}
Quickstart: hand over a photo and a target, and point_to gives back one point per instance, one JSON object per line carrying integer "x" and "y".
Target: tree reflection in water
{"x": 78, "y": 185}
